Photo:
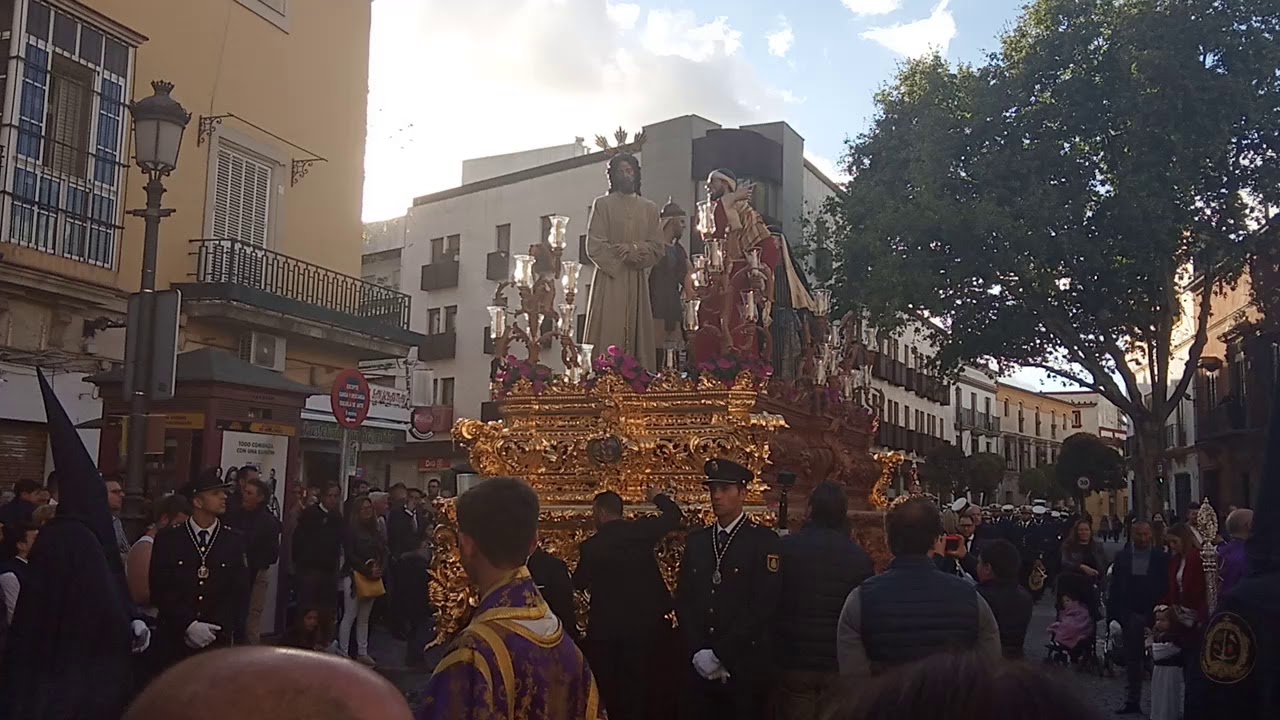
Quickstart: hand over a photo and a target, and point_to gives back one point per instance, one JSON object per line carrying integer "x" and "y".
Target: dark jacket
{"x": 911, "y": 611}
{"x": 16, "y": 514}
{"x": 362, "y": 548}
{"x": 1012, "y": 605}
{"x": 551, "y": 576}
{"x": 733, "y": 618}
{"x": 820, "y": 567}
{"x": 402, "y": 537}
{"x": 618, "y": 567}
{"x": 262, "y": 539}
{"x": 182, "y": 596}
{"x": 317, "y": 541}
{"x": 1136, "y": 595}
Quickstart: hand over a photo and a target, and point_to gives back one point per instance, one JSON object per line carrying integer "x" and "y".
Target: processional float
{"x": 604, "y": 422}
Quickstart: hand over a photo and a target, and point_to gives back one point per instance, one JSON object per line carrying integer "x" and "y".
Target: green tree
{"x": 1039, "y": 483}
{"x": 1041, "y": 207}
{"x": 1085, "y": 455}
{"x": 944, "y": 471}
{"x": 985, "y": 472}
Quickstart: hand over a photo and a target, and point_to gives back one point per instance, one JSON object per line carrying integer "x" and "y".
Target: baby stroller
{"x": 1088, "y": 654}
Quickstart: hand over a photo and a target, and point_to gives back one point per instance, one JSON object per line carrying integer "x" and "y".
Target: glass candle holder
{"x": 669, "y": 359}
{"x": 749, "y": 305}
{"x": 753, "y": 258}
{"x": 556, "y": 236}
{"x": 699, "y": 261}
{"x": 522, "y": 271}
{"x": 691, "y": 314}
{"x": 585, "y": 356}
{"x": 715, "y": 255}
{"x": 822, "y": 299}
{"x": 565, "y": 321}
{"x": 846, "y": 386}
{"x": 706, "y": 218}
{"x": 570, "y": 270}
{"x": 699, "y": 278}
{"x": 497, "y": 321}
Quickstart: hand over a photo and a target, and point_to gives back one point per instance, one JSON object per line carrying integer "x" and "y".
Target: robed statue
{"x": 624, "y": 240}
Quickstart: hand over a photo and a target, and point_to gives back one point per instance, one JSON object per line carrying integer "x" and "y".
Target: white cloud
{"x": 781, "y": 40}
{"x": 624, "y": 15}
{"x": 921, "y": 37}
{"x": 872, "y": 7}
{"x": 678, "y": 33}
{"x": 785, "y": 96}
{"x": 827, "y": 167}
{"x": 450, "y": 80}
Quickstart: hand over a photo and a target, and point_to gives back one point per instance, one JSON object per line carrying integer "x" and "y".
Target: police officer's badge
{"x": 771, "y": 562}
{"x": 1229, "y": 649}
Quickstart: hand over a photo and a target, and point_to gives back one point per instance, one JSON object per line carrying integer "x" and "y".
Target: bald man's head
{"x": 275, "y": 683}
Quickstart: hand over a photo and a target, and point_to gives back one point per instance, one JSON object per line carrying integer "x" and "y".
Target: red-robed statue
{"x": 729, "y": 320}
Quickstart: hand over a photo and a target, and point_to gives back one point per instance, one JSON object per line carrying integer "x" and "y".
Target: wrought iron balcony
{"x": 240, "y": 272}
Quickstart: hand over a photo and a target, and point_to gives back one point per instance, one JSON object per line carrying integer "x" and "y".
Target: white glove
{"x": 141, "y": 636}
{"x": 708, "y": 665}
{"x": 201, "y": 634}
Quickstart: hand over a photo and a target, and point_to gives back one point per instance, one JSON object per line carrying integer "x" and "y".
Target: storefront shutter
{"x": 22, "y": 450}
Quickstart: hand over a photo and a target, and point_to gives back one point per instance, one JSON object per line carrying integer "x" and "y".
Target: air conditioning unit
{"x": 263, "y": 350}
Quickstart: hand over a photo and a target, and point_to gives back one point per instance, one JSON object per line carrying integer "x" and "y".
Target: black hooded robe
{"x": 68, "y": 652}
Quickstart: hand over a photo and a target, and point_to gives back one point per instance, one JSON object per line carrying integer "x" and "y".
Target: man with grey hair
{"x": 381, "y": 504}
{"x": 1234, "y": 560}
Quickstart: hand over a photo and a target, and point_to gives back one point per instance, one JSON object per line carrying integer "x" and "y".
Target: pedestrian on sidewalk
{"x": 366, "y": 555}
{"x": 262, "y": 550}
{"x": 1139, "y": 578}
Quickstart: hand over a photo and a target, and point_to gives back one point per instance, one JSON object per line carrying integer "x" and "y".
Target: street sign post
{"x": 350, "y": 400}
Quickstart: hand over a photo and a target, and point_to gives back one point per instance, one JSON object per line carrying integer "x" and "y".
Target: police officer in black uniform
{"x": 1240, "y": 651}
{"x": 199, "y": 576}
{"x": 725, "y": 598}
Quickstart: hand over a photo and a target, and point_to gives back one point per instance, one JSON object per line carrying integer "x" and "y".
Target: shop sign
{"x": 433, "y": 464}
{"x": 389, "y": 396}
{"x": 265, "y": 428}
{"x": 184, "y": 421}
{"x": 328, "y": 432}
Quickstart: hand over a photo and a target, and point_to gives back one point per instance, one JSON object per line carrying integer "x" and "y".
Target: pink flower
{"x": 614, "y": 351}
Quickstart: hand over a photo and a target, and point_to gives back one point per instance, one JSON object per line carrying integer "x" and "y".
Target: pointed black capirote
{"x": 81, "y": 491}
{"x": 1263, "y": 547}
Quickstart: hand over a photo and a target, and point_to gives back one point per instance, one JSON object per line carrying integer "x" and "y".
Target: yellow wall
{"x": 307, "y": 85}
{"x": 1030, "y": 400}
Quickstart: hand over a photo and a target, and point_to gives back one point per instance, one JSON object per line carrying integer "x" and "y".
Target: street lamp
{"x": 158, "y": 124}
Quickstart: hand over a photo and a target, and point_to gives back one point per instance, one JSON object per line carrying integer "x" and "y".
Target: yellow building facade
{"x": 265, "y": 240}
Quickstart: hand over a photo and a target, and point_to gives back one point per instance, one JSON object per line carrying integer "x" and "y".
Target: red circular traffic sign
{"x": 350, "y": 398}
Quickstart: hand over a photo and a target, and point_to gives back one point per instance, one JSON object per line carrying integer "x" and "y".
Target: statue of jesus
{"x": 624, "y": 240}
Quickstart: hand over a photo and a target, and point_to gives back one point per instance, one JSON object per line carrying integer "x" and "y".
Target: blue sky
{"x": 455, "y": 79}
{"x": 451, "y": 79}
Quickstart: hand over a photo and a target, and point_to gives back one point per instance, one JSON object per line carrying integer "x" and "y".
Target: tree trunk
{"x": 1148, "y": 488}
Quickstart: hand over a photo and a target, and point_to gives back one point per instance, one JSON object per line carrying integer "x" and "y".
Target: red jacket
{"x": 1192, "y": 595}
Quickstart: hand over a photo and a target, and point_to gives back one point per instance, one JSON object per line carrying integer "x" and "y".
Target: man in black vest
{"x": 912, "y": 610}
{"x": 627, "y": 624}
{"x": 199, "y": 576}
{"x": 726, "y": 596}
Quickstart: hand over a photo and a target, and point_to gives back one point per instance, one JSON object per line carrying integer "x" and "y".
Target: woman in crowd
{"x": 1186, "y": 575}
{"x": 365, "y": 554}
{"x": 1084, "y": 564}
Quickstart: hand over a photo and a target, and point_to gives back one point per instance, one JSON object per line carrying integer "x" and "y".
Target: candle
{"x": 522, "y": 271}
{"x": 691, "y": 314}
{"x": 846, "y": 385}
{"x": 569, "y": 272}
{"x": 753, "y": 258}
{"x": 715, "y": 256}
{"x": 566, "y": 319}
{"x": 555, "y": 237}
{"x": 706, "y": 218}
{"x": 699, "y": 278}
{"x": 497, "y": 321}
{"x": 584, "y": 355}
{"x": 669, "y": 361}
{"x": 699, "y": 261}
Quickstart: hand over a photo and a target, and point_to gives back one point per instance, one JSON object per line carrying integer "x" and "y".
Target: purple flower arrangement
{"x": 726, "y": 368}
{"x": 513, "y": 370}
{"x": 619, "y": 363}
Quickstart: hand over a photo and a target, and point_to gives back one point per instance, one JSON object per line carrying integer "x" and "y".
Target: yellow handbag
{"x": 368, "y": 588}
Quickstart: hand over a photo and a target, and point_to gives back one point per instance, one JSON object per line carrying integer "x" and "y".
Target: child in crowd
{"x": 308, "y": 633}
{"x": 1074, "y": 625}
{"x": 1166, "y": 675}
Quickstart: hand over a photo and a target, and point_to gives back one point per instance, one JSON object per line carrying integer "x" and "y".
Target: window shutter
{"x": 242, "y": 198}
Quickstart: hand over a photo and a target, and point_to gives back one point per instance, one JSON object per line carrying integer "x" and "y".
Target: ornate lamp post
{"x": 158, "y": 124}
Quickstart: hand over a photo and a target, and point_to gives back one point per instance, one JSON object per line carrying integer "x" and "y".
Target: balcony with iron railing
{"x": 236, "y": 273}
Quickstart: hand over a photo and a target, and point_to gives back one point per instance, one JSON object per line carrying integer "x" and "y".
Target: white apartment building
{"x": 977, "y": 420}
{"x": 453, "y": 247}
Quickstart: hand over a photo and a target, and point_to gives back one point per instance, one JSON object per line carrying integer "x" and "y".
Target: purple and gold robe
{"x": 513, "y": 661}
